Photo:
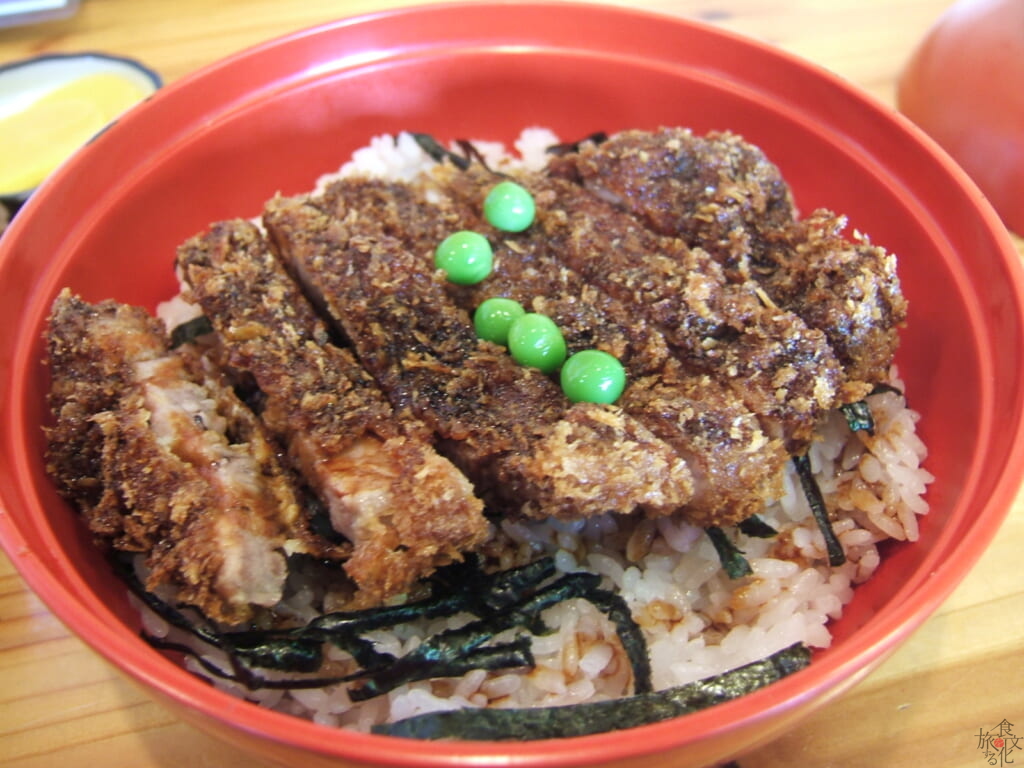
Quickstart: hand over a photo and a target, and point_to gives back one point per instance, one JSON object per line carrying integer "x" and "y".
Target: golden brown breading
{"x": 715, "y": 191}
{"x": 721, "y": 194}
{"x": 177, "y": 468}
{"x": 735, "y": 467}
{"x": 500, "y": 422}
{"x": 846, "y": 287}
{"x": 406, "y": 509}
{"x": 783, "y": 370}
{"x": 91, "y": 350}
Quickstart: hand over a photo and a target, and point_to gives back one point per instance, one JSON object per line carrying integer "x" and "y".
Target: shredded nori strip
{"x": 439, "y": 153}
{"x": 879, "y": 389}
{"x": 297, "y": 655}
{"x": 836, "y": 555}
{"x": 511, "y": 599}
{"x": 757, "y": 528}
{"x": 447, "y": 654}
{"x": 858, "y": 416}
{"x": 243, "y": 675}
{"x": 630, "y": 634}
{"x": 734, "y": 563}
{"x": 602, "y": 716}
{"x": 122, "y": 566}
{"x": 446, "y": 650}
{"x": 571, "y": 147}
{"x": 190, "y": 330}
{"x": 472, "y": 153}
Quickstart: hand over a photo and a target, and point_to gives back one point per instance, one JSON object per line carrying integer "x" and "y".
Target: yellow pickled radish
{"x": 35, "y": 140}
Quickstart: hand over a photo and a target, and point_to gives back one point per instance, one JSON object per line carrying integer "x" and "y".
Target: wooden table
{"x": 60, "y": 705}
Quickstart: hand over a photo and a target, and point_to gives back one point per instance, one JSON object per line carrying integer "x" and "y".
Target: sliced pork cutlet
{"x": 715, "y": 191}
{"x": 180, "y": 469}
{"x": 722, "y": 194}
{"x": 450, "y": 199}
{"x": 846, "y": 287}
{"x": 735, "y": 467}
{"x": 91, "y": 350}
{"x": 784, "y": 371}
{"x": 406, "y": 509}
{"x": 507, "y": 426}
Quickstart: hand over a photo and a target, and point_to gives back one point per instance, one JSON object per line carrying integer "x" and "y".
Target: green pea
{"x": 593, "y": 376}
{"x": 509, "y": 207}
{"x": 466, "y": 257}
{"x": 494, "y": 316}
{"x": 535, "y": 341}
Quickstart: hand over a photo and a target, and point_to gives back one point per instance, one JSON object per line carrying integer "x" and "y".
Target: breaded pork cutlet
{"x": 784, "y": 371}
{"x": 91, "y": 353}
{"x": 507, "y": 426}
{"x": 734, "y": 465}
{"x": 406, "y": 509}
{"x": 721, "y": 194}
{"x": 846, "y": 287}
{"x": 169, "y": 462}
{"x": 714, "y": 191}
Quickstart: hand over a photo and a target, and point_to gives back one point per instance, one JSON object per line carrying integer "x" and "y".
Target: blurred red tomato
{"x": 964, "y": 85}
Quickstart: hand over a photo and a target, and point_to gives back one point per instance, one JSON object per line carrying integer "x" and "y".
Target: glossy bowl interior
{"x": 272, "y": 119}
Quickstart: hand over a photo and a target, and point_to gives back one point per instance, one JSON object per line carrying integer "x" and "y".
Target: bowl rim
{"x": 873, "y": 642}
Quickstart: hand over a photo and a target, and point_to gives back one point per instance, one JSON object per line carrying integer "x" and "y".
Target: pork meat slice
{"x": 735, "y": 467}
{"x": 507, "y": 426}
{"x": 177, "y": 467}
{"x": 406, "y": 509}
{"x": 722, "y": 194}
{"x": 783, "y": 370}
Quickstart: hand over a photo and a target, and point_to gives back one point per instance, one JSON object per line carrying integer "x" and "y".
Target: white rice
{"x": 696, "y": 620}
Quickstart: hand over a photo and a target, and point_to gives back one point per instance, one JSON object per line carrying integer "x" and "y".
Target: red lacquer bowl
{"x": 219, "y": 143}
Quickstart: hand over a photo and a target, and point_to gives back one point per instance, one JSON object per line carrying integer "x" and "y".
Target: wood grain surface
{"x": 961, "y": 673}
